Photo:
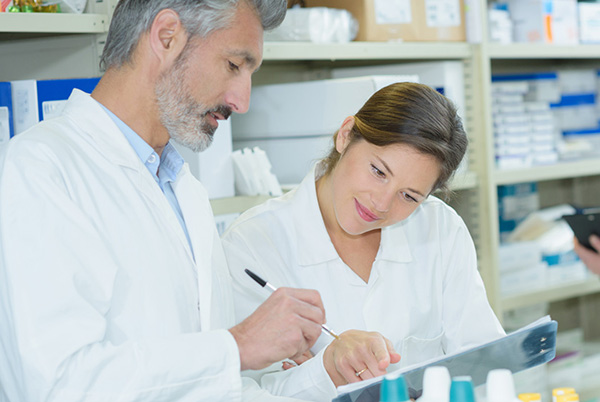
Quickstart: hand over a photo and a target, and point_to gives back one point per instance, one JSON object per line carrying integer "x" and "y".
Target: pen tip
{"x": 257, "y": 278}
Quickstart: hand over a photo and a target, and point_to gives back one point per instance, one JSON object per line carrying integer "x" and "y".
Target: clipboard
{"x": 527, "y": 347}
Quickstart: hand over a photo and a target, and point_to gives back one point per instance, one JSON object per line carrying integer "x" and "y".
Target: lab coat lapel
{"x": 199, "y": 220}
{"x": 111, "y": 142}
{"x": 192, "y": 198}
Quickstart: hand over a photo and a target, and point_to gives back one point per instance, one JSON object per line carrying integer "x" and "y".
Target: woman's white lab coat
{"x": 100, "y": 298}
{"x": 424, "y": 293}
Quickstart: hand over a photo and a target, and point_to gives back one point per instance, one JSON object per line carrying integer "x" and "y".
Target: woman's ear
{"x": 342, "y": 140}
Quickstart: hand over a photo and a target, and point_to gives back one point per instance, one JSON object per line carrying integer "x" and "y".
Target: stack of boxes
{"x": 524, "y": 130}
{"x": 576, "y": 113}
{"x": 500, "y": 25}
{"x": 563, "y": 22}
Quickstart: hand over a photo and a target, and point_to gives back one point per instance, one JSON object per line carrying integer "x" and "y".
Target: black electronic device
{"x": 584, "y": 225}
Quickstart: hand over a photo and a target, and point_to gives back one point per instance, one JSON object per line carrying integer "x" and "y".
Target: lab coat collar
{"x": 312, "y": 240}
{"x": 313, "y": 243}
{"x": 109, "y": 139}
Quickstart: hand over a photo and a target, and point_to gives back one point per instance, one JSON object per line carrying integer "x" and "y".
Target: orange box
{"x": 414, "y": 20}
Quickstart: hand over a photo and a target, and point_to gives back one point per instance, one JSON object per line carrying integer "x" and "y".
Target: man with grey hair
{"x": 113, "y": 282}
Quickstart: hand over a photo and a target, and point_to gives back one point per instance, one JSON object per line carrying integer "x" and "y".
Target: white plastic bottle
{"x": 436, "y": 385}
{"x": 500, "y": 386}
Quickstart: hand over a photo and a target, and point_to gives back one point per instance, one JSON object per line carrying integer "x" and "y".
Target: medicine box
{"x": 408, "y": 20}
{"x": 447, "y": 77}
{"x": 545, "y": 21}
{"x": 589, "y": 22}
{"x": 515, "y": 202}
{"x": 6, "y": 113}
{"x": 294, "y": 123}
{"x": 37, "y": 100}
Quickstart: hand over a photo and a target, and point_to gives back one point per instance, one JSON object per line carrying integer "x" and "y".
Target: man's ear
{"x": 167, "y": 36}
{"x": 343, "y": 136}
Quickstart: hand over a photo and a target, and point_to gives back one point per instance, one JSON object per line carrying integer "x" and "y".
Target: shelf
{"x": 297, "y": 51}
{"x": 564, "y": 170}
{"x": 232, "y": 205}
{"x": 541, "y": 51}
{"x": 32, "y": 23}
{"x": 560, "y": 291}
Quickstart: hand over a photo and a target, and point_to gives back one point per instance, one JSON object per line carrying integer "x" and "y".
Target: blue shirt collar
{"x": 170, "y": 162}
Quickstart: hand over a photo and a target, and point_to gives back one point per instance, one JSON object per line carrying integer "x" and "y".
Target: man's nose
{"x": 238, "y": 97}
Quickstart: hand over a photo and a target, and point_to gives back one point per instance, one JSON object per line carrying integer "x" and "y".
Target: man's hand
{"x": 285, "y": 326}
{"x": 590, "y": 258}
{"x": 367, "y": 354}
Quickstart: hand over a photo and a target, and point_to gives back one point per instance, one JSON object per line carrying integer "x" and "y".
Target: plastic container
{"x": 500, "y": 386}
{"x": 436, "y": 385}
{"x": 461, "y": 389}
{"x": 393, "y": 389}
{"x": 530, "y": 397}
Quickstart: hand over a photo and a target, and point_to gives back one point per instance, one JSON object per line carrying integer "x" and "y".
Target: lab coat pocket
{"x": 417, "y": 350}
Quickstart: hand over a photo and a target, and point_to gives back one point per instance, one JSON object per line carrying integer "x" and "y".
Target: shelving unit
{"x": 297, "y": 51}
{"x": 562, "y": 170}
{"x": 46, "y": 23}
{"x": 53, "y": 46}
{"x": 553, "y": 293}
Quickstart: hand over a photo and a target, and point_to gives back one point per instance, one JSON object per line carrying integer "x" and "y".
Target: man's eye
{"x": 233, "y": 66}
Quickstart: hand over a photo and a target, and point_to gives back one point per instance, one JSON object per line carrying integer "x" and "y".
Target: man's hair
{"x": 199, "y": 18}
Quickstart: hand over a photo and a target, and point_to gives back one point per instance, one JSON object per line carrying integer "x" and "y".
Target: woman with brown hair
{"x": 393, "y": 263}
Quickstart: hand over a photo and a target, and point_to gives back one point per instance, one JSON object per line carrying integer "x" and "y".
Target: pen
{"x": 272, "y": 288}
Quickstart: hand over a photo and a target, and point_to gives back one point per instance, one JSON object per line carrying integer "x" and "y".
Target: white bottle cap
{"x": 500, "y": 386}
{"x": 436, "y": 384}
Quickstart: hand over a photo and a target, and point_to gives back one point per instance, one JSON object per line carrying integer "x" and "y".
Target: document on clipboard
{"x": 527, "y": 347}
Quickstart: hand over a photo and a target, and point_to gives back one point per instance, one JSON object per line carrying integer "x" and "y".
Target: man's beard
{"x": 184, "y": 118}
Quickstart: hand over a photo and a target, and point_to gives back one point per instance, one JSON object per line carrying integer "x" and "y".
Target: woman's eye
{"x": 233, "y": 66}
{"x": 408, "y": 197}
{"x": 377, "y": 172}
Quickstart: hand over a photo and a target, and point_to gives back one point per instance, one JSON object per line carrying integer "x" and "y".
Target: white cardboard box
{"x": 445, "y": 76}
{"x": 295, "y": 122}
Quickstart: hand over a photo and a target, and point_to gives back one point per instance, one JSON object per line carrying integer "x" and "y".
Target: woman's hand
{"x": 357, "y": 356}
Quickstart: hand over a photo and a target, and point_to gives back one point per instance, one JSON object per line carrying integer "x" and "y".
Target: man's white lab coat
{"x": 424, "y": 292}
{"x": 100, "y": 298}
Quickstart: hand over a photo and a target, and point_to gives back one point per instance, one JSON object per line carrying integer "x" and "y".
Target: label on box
{"x": 4, "y": 125}
{"x": 442, "y": 13}
{"x": 589, "y": 22}
{"x": 393, "y": 12}
{"x": 52, "y": 109}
